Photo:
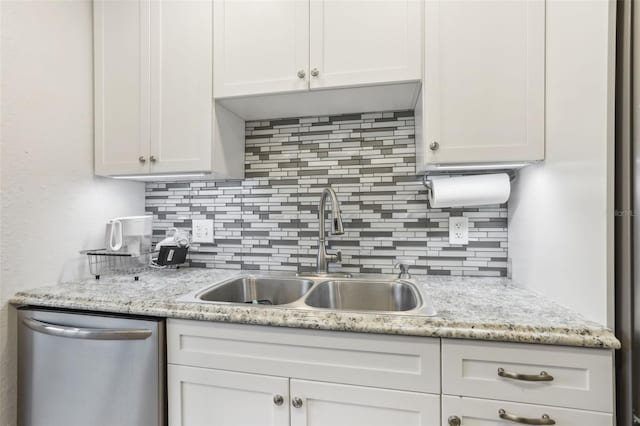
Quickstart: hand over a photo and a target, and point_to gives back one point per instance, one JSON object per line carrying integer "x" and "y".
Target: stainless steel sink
{"x": 364, "y": 295}
{"x": 258, "y": 290}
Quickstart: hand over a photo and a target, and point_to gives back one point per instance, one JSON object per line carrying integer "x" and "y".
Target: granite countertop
{"x": 467, "y": 308}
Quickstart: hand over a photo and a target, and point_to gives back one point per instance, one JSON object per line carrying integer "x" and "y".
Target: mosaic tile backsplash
{"x": 269, "y": 221}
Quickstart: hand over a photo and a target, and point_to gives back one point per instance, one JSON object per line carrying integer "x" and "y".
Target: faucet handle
{"x": 334, "y": 258}
{"x": 404, "y": 269}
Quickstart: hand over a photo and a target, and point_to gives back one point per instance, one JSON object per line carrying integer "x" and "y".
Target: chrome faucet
{"x": 404, "y": 270}
{"x": 337, "y": 228}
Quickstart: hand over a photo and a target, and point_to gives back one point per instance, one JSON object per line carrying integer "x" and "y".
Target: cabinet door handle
{"x": 542, "y": 377}
{"x": 544, "y": 420}
{"x": 434, "y": 146}
{"x": 278, "y": 400}
{"x": 152, "y": 159}
{"x": 315, "y": 72}
{"x": 296, "y": 402}
{"x": 142, "y": 159}
{"x": 302, "y": 74}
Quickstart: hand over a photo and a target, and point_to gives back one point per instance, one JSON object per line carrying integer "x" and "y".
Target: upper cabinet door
{"x": 181, "y": 86}
{"x": 121, "y": 93}
{"x": 260, "y": 46}
{"x": 364, "y": 42}
{"x": 484, "y": 81}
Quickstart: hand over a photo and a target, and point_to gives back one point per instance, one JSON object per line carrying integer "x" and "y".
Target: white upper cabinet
{"x": 181, "y": 86}
{"x": 363, "y": 42}
{"x": 484, "y": 85}
{"x": 261, "y": 46}
{"x": 154, "y": 109}
{"x": 121, "y": 37}
{"x": 283, "y": 46}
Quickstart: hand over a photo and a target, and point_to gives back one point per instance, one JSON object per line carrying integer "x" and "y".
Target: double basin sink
{"x": 367, "y": 294}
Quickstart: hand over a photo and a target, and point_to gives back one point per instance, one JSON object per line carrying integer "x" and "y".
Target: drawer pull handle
{"x": 544, "y": 420}
{"x": 542, "y": 377}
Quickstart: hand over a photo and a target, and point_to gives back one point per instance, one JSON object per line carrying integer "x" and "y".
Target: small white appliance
{"x": 129, "y": 234}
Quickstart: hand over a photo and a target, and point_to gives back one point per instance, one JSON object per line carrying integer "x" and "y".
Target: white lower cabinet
{"x": 200, "y": 396}
{"x": 332, "y": 404}
{"x": 578, "y": 378}
{"x": 245, "y": 375}
{"x": 462, "y": 411}
{"x": 497, "y": 383}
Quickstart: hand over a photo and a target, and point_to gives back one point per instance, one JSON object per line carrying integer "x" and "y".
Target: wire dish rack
{"x": 103, "y": 262}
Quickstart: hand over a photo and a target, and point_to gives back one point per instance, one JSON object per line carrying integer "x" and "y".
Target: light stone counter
{"x": 467, "y": 308}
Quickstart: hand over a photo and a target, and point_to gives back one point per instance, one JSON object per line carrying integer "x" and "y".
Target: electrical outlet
{"x": 459, "y": 230}
{"x": 202, "y": 231}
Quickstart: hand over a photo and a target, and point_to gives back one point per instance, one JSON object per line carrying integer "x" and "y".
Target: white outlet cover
{"x": 458, "y": 230}
{"x": 202, "y": 230}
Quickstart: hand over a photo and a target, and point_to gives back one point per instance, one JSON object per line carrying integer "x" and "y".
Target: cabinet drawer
{"x": 481, "y": 412}
{"x": 394, "y": 362}
{"x": 577, "y": 377}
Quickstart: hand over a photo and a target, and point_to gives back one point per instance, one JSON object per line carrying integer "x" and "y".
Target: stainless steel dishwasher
{"x": 85, "y": 369}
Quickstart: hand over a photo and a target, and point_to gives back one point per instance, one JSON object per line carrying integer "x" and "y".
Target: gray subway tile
{"x": 269, "y": 221}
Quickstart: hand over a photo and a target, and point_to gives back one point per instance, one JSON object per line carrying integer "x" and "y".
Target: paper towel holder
{"x": 427, "y": 183}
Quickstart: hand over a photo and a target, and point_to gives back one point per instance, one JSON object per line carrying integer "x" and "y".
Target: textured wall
{"x": 269, "y": 220}
{"x": 52, "y": 205}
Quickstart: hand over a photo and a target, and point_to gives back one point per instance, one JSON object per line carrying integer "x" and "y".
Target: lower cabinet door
{"x": 328, "y": 404}
{"x": 204, "y": 397}
{"x": 459, "y": 411}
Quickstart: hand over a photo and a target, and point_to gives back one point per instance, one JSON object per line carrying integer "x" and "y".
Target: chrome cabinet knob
{"x": 434, "y": 146}
{"x": 315, "y": 72}
{"x": 454, "y": 421}
{"x": 142, "y": 159}
{"x": 152, "y": 159}
{"x": 296, "y": 402}
{"x": 301, "y": 74}
{"x": 278, "y": 400}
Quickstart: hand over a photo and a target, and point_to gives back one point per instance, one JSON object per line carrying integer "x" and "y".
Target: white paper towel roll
{"x": 476, "y": 190}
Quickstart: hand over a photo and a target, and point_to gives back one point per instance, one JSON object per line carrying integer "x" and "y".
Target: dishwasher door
{"x": 85, "y": 369}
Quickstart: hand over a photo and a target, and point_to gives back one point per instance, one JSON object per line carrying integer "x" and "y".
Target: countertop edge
{"x": 560, "y": 337}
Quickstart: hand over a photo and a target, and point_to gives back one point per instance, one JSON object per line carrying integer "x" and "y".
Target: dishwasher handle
{"x": 86, "y": 333}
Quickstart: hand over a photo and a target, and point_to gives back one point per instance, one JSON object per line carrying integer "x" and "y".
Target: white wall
{"x": 51, "y": 205}
{"x": 561, "y": 212}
